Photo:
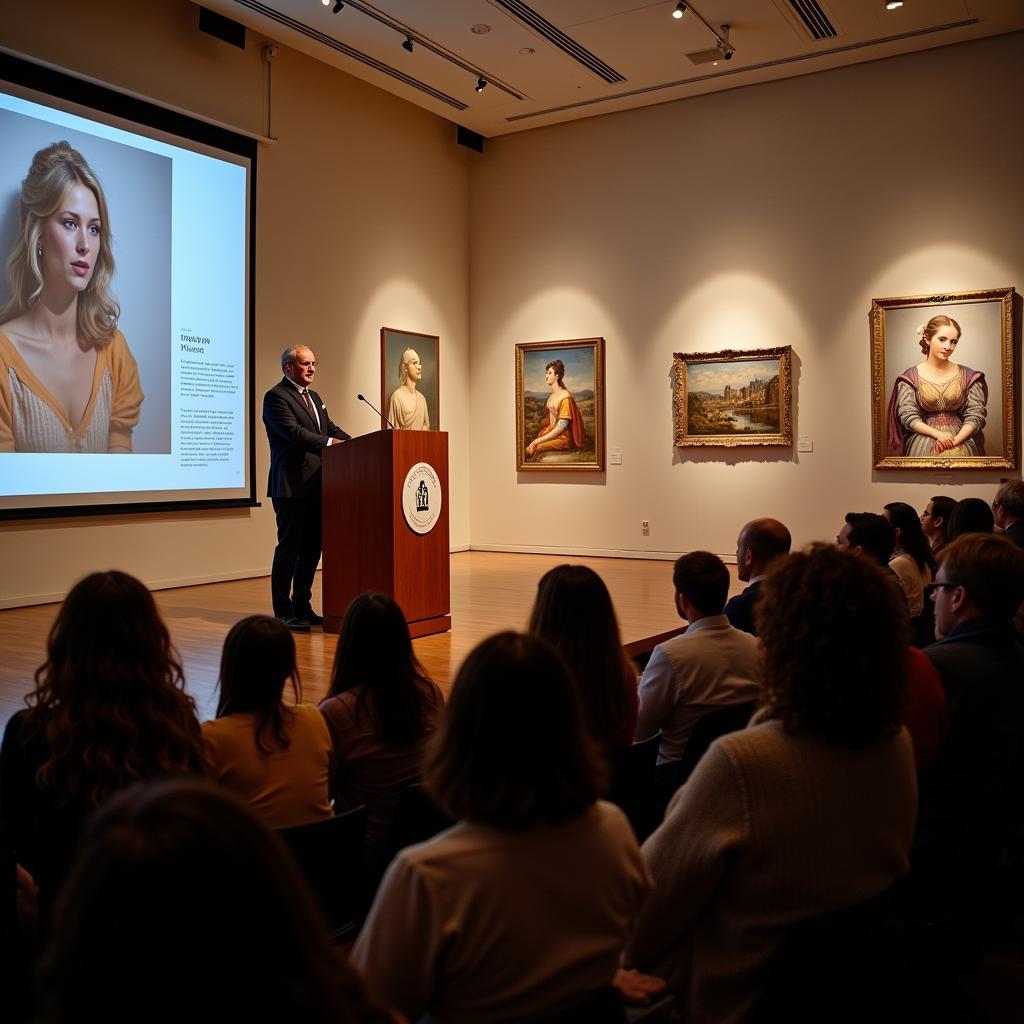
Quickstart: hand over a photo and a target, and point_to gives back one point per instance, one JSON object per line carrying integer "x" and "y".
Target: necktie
{"x": 308, "y": 401}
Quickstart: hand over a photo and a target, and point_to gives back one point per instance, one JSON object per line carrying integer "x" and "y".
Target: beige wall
{"x": 362, "y": 221}
{"x": 762, "y": 216}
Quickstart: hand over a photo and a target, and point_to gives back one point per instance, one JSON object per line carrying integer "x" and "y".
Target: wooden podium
{"x": 368, "y": 545}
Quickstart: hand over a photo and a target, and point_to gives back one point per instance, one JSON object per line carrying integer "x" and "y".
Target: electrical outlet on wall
{"x": 645, "y": 527}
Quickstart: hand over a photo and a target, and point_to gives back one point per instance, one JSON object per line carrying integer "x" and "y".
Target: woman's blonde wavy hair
{"x": 54, "y": 170}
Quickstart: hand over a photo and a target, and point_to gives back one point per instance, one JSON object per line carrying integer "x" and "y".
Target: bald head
{"x": 760, "y": 542}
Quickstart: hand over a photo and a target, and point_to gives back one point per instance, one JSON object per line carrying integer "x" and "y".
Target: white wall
{"x": 361, "y": 222}
{"x": 763, "y": 216}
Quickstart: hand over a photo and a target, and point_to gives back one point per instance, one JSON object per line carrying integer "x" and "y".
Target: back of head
{"x": 375, "y": 654}
{"x": 873, "y": 533}
{"x": 257, "y": 660}
{"x": 511, "y": 750}
{"x": 573, "y": 612}
{"x": 990, "y": 568}
{"x": 1011, "y": 496}
{"x": 911, "y": 537}
{"x": 110, "y": 695}
{"x": 834, "y": 633}
{"x": 182, "y": 903}
{"x": 703, "y": 580}
{"x": 971, "y": 515}
{"x": 766, "y": 539}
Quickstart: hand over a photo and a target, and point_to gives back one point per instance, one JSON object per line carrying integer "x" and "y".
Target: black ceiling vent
{"x": 815, "y": 20}
{"x": 526, "y": 14}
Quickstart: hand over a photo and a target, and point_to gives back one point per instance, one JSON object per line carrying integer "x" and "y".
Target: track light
{"x": 893, "y": 5}
{"x": 407, "y": 45}
{"x": 680, "y": 10}
{"x": 337, "y": 7}
{"x": 481, "y": 84}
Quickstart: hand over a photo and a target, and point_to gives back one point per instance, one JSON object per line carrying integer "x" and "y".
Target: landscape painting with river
{"x": 733, "y": 398}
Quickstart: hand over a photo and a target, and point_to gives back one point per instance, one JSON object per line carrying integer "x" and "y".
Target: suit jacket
{"x": 296, "y": 442}
{"x": 740, "y": 609}
{"x": 1015, "y": 532}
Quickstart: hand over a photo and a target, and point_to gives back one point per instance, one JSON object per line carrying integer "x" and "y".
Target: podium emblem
{"x": 421, "y": 497}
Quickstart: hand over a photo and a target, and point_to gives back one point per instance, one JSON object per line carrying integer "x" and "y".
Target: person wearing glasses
{"x": 298, "y": 429}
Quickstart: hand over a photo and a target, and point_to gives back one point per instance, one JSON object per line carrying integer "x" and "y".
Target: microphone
{"x": 377, "y": 411}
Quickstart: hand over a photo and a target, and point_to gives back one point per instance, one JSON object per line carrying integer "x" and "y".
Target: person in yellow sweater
{"x": 68, "y": 381}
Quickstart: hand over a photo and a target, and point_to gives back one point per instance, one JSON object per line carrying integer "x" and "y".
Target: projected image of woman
{"x": 68, "y": 381}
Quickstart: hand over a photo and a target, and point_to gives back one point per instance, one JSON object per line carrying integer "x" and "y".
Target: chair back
{"x": 632, "y": 784}
{"x": 730, "y": 718}
{"x": 329, "y": 855}
{"x": 417, "y": 819}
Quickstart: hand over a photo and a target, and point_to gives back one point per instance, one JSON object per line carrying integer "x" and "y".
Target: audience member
{"x": 573, "y": 611}
{"x": 523, "y": 907}
{"x": 970, "y": 515}
{"x": 926, "y": 713}
{"x": 1008, "y": 510}
{"x": 807, "y": 811}
{"x": 759, "y": 544}
{"x": 181, "y": 906}
{"x": 935, "y": 522}
{"x": 977, "y": 590}
{"x": 711, "y": 665}
{"x": 873, "y": 536}
{"x": 380, "y": 707}
{"x": 109, "y": 708}
{"x": 911, "y": 557}
{"x": 276, "y": 758}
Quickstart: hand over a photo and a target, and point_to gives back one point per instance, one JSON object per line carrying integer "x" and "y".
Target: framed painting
{"x": 942, "y": 384}
{"x": 410, "y": 395}
{"x": 560, "y": 406}
{"x": 732, "y": 398}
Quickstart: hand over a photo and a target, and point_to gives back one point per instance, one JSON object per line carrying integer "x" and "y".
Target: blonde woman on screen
{"x": 68, "y": 382}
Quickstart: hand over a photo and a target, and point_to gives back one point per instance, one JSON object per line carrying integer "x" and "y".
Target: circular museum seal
{"x": 421, "y": 497}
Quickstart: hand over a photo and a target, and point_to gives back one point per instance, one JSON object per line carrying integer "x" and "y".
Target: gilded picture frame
{"x": 394, "y": 343}
{"x": 560, "y": 406}
{"x": 923, "y": 415}
{"x": 733, "y": 398}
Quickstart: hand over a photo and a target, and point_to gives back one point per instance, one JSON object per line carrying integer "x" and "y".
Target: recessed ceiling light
{"x": 480, "y": 29}
{"x": 893, "y": 5}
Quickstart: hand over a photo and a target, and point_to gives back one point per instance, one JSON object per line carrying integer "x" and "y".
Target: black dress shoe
{"x": 311, "y": 617}
{"x": 295, "y": 624}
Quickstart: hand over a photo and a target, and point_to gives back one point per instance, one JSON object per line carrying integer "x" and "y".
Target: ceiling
{"x": 550, "y": 61}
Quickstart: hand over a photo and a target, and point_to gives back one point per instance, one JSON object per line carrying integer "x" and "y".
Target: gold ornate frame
{"x": 542, "y": 352}
{"x": 1002, "y": 389}
{"x": 680, "y": 398}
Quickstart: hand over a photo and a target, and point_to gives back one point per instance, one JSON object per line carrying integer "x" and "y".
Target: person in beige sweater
{"x": 809, "y": 810}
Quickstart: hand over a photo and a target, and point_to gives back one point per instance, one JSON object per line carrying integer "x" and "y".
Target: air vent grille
{"x": 815, "y": 20}
{"x": 350, "y": 51}
{"x": 558, "y": 38}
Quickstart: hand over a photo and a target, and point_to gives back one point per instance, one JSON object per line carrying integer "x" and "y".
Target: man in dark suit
{"x": 298, "y": 429}
{"x": 1008, "y": 509}
{"x": 760, "y": 542}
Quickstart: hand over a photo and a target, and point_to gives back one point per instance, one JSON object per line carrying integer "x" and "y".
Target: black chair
{"x": 417, "y": 819}
{"x": 632, "y": 784}
{"x": 329, "y": 854}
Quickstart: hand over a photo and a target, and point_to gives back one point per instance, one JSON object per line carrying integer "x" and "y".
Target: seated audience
{"x": 711, "y": 665}
{"x": 911, "y": 558}
{"x": 277, "y": 758}
{"x": 573, "y": 611}
{"x": 1008, "y": 510}
{"x": 970, "y": 515}
{"x": 181, "y": 907}
{"x": 522, "y": 908}
{"x": 935, "y": 522}
{"x": 380, "y": 707}
{"x": 977, "y": 590}
{"x": 759, "y": 544}
{"x": 807, "y": 811}
{"x": 109, "y": 708}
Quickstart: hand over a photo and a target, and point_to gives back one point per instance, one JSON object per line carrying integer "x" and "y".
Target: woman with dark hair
{"x": 276, "y": 757}
{"x": 109, "y": 708}
{"x": 380, "y": 706}
{"x": 970, "y": 515}
{"x": 573, "y": 611}
{"x": 181, "y": 906}
{"x": 563, "y": 429}
{"x": 522, "y": 908}
{"x": 938, "y": 407}
{"x": 911, "y": 558}
{"x": 809, "y": 810}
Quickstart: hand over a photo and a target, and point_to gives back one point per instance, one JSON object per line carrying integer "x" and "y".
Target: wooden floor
{"x": 490, "y": 592}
